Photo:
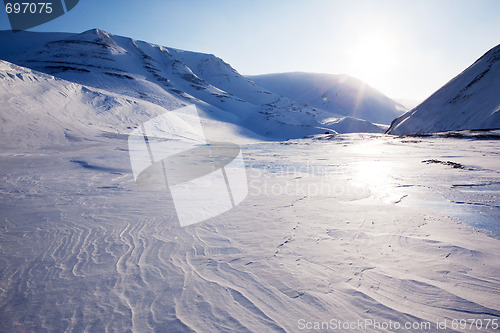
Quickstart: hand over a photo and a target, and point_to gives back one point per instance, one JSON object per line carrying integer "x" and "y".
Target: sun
{"x": 372, "y": 57}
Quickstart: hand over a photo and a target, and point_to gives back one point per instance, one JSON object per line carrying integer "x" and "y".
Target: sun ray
{"x": 372, "y": 57}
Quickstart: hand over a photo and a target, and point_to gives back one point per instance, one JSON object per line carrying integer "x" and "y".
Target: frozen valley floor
{"x": 354, "y": 228}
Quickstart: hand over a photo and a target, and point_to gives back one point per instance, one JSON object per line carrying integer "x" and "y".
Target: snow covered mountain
{"x": 340, "y": 94}
{"x": 39, "y": 110}
{"x": 170, "y": 78}
{"x": 469, "y": 101}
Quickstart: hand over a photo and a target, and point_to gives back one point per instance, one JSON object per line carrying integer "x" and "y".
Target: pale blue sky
{"x": 406, "y": 49}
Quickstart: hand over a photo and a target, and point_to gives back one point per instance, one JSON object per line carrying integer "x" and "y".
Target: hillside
{"x": 470, "y": 101}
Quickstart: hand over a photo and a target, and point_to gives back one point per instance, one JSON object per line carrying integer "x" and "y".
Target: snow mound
{"x": 39, "y": 110}
{"x": 350, "y": 125}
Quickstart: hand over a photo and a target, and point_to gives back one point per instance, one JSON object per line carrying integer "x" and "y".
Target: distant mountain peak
{"x": 95, "y": 31}
{"x": 338, "y": 93}
{"x": 96, "y": 36}
{"x": 98, "y": 33}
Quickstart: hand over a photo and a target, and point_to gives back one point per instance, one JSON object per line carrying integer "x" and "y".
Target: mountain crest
{"x": 171, "y": 78}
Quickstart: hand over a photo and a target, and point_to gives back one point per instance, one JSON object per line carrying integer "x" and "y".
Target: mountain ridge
{"x": 172, "y": 78}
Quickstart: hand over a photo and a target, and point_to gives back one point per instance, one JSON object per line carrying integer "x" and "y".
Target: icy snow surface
{"x": 341, "y": 227}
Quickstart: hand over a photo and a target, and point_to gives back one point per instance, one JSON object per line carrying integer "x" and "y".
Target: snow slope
{"x": 39, "y": 110}
{"x": 469, "y": 101}
{"x": 339, "y": 94}
{"x": 164, "y": 76}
